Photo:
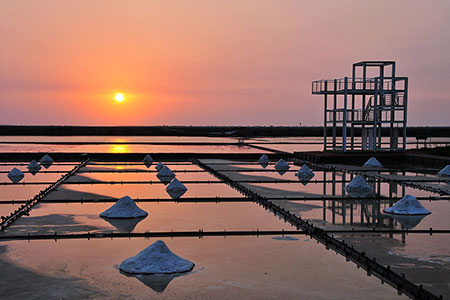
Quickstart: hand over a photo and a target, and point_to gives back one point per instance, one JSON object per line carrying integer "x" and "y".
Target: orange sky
{"x": 210, "y": 62}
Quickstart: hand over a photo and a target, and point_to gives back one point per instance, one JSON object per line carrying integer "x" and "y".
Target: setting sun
{"x": 119, "y": 97}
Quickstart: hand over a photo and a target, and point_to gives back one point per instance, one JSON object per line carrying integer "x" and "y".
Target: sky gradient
{"x": 210, "y": 62}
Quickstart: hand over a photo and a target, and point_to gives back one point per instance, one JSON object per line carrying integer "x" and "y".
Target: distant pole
{"x": 344, "y": 125}
{"x": 405, "y": 112}
{"x": 325, "y": 117}
{"x": 334, "y": 114}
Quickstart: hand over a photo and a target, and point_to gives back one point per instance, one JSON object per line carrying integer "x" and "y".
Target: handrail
{"x": 358, "y": 83}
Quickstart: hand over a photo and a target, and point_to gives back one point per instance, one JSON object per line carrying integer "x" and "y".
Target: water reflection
{"x": 119, "y": 149}
{"x": 157, "y": 282}
{"x": 408, "y": 222}
{"x": 124, "y": 225}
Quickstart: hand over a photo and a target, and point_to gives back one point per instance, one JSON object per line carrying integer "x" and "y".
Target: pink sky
{"x": 210, "y": 62}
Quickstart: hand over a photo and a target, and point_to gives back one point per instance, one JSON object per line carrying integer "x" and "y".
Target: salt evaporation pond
{"x": 229, "y": 267}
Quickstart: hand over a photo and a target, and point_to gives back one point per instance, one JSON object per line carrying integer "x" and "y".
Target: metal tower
{"x": 369, "y": 105}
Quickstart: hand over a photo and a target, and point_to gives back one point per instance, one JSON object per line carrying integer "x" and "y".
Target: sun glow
{"x": 119, "y": 97}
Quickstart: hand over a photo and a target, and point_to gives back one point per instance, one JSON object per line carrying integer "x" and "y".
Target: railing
{"x": 338, "y": 85}
{"x": 358, "y": 115}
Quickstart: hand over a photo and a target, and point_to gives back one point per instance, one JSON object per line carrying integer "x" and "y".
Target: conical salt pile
{"x": 46, "y": 161}
{"x": 373, "y": 163}
{"x": 282, "y": 166}
{"x": 264, "y": 161}
{"x": 304, "y": 173}
{"x": 165, "y": 175}
{"x": 15, "y": 175}
{"x": 358, "y": 187}
{"x": 408, "y": 205}
{"x": 176, "y": 189}
{"x": 156, "y": 259}
{"x": 159, "y": 166}
{"x": 445, "y": 172}
{"x": 125, "y": 207}
{"x": 34, "y": 167}
{"x": 148, "y": 160}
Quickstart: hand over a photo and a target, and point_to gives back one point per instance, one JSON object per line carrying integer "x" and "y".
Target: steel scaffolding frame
{"x": 367, "y": 104}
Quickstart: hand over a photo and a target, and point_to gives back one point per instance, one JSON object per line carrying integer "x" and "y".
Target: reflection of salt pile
{"x": 33, "y": 167}
{"x": 358, "y": 187}
{"x": 408, "y": 221}
{"x": 165, "y": 175}
{"x": 176, "y": 189}
{"x": 46, "y": 161}
{"x": 159, "y": 166}
{"x": 408, "y": 205}
{"x": 264, "y": 161}
{"x": 157, "y": 282}
{"x": 282, "y": 166}
{"x": 124, "y": 225}
{"x": 15, "y": 175}
{"x": 305, "y": 174}
{"x": 373, "y": 163}
{"x": 445, "y": 172}
{"x": 148, "y": 160}
{"x": 156, "y": 259}
{"x": 124, "y": 208}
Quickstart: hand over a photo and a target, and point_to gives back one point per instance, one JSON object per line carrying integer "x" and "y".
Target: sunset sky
{"x": 211, "y": 62}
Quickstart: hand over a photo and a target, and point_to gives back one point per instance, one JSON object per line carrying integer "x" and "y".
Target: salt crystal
{"x": 165, "y": 174}
{"x": 282, "y": 166}
{"x": 373, "y": 163}
{"x": 46, "y": 161}
{"x": 264, "y": 161}
{"x": 15, "y": 175}
{"x": 176, "y": 189}
{"x": 408, "y": 205}
{"x": 305, "y": 173}
{"x": 159, "y": 166}
{"x": 125, "y": 207}
{"x": 156, "y": 259}
{"x": 34, "y": 167}
{"x": 445, "y": 171}
{"x": 358, "y": 187}
{"x": 148, "y": 160}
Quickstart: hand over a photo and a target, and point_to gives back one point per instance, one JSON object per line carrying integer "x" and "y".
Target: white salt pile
{"x": 358, "y": 187}
{"x": 445, "y": 172}
{"x": 408, "y": 205}
{"x": 159, "y": 166}
{"x": 176, "y": 189}
{"x": 34, "y": 167}
{"x": 46, "y": 161}
{"x": 264, "y": 161}
{"x": 125, "y": 207}
{"x": 148, "y": 160}
{"x": 165, "y": 175}
{"x": 156, "y": 259}
{"x": 282, "y": 166}
{"x": 305, "y": 173}
{"x": 373, "y": 163}
{"x": 15, "y": 175}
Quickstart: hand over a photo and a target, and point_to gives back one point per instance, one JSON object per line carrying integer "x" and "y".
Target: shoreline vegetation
{"x": 218, "y": 131}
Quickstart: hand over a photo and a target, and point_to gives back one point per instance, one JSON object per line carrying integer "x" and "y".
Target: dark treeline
{"x": 238, "y": 131}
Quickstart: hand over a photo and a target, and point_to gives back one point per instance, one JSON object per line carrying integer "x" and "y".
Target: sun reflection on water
{"x": 119, "y": 149}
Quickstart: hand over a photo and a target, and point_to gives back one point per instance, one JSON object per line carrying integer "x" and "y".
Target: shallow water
{"x": 81, "y": 218}
{"x": 238, "y": 267}
{"x": 232, "y": 267}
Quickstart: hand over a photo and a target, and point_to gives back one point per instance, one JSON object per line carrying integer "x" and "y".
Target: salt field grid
{"x": 222, "y": 214}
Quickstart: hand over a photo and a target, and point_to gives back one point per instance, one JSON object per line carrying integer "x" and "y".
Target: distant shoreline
{"x": 212, "y": 131}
